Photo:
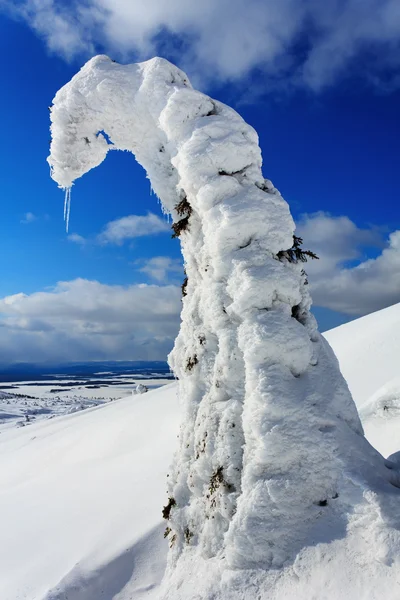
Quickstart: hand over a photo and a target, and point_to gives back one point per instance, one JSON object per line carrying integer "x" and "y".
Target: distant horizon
{"x": 84, "y": 370}
{"x": 120, "y": 362}
{"x": 89, "y": 364}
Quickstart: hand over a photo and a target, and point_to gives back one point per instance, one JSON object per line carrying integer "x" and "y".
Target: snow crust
{"x": 272, "y": 458}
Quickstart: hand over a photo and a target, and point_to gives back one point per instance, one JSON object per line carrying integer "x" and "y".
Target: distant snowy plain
{"x": 23, "y": 403}
{"x": 81, "y": 494}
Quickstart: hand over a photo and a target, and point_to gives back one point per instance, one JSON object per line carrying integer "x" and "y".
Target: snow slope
{"x": 368, "y": 350}
{"x": 81, "y": 498}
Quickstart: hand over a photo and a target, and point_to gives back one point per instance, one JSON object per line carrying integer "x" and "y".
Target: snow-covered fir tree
{"x": 262, "y": 467}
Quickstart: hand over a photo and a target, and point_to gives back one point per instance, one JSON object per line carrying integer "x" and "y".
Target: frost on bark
{"x": 263, "y": 402}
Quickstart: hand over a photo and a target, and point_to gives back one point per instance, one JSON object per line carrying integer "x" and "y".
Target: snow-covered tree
{"x": 269, "y": 432}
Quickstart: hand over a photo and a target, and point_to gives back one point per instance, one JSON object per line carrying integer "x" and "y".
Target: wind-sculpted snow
{"x": 270, "y": 439}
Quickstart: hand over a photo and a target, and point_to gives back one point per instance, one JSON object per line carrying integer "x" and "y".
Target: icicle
{"x": 67, "y": 207}
{"x": 65, "y": 202}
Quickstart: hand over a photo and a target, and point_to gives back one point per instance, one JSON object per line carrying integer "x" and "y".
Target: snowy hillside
{"x": 368, "y": 350}
{"x": 81, "y": 498}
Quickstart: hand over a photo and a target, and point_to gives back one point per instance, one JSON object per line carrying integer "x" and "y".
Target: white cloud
{"x": 28, "y": 218}
{"x": 344, "y": 279}
{"x": 132, "y": 226}
{"x": 161, "y": 267}
{"x": 77, "y": 239}
{"x": 227, "y": 38}
{"x": 60, "y": 26}
{"x": 87, "y": 320}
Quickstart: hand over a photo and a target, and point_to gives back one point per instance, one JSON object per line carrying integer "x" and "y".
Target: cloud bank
{"x": 88, "y": 320}
{"x": 132, "y": 226}
{"x": 344, "y": 279}
{"x": 309, "y": 42}
{"x": 161, "y": 268}
{"x": 119, "y": 231}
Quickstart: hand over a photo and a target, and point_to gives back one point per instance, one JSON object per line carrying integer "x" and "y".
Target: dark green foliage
{"x": 188, "y": 535}
{"x": 323, "y": 503}
{"x": 183, "y": 208}
{"x": 166, "y": 511}
{"x": 180, "y": 226}
{"x": 202, "y": 447}
{"x": 184, "y": 286}
{"x": 191, "y": 362}
{"x": 217, "y": 479}
{"x": 305, "y": 279}
{"x": 296, "y": 253}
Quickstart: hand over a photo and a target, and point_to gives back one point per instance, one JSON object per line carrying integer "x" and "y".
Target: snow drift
{"x": 368, "y": 350}
{"x": 272, "y": 458}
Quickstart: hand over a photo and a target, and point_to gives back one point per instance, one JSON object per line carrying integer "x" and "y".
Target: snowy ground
{"x": 368, "y": 350}
{"x": 81, "y": 498}
{"x": 81, "y": 494}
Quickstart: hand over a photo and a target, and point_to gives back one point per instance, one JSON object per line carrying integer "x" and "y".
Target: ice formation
{"x": 270, "y": 438}
{"x": 67, "y": 207}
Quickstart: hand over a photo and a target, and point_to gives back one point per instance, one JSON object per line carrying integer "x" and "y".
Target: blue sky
{"x": 325, "y": 108}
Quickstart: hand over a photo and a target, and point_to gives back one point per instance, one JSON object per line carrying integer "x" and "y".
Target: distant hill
{"x": 26, "y": 371}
